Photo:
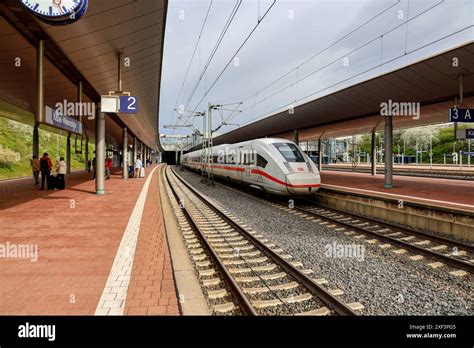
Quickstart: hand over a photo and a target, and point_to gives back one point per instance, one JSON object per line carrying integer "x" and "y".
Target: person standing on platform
{"x": 45, "y": 167}
{"x": 138, "y": 167}
{"x": 108, "y": 167}
{"x": 130, "y": 169}
{"x": 61, "y": 169}
{"x": 89, "y": 164}
{"x": 35, "y": 167}
{"x": 93, "y": 168}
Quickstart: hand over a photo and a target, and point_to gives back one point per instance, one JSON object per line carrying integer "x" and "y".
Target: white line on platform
{"x": 112, "y": 301}
{"x": 397, "y": 195}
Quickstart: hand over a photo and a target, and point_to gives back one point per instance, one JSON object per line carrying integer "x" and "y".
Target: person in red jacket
{"x": 108, "y": 167}
{"x": 45, "y": 168}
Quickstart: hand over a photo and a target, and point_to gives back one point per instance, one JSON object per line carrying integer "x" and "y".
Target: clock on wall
{"x": 57, "y": 12}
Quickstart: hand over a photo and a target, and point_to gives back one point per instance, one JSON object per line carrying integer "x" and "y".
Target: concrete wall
{"x": 447, "y": 221}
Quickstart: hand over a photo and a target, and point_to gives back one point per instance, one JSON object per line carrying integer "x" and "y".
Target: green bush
{"x": 16, "y": 148}
{"x": 7, "y": 158}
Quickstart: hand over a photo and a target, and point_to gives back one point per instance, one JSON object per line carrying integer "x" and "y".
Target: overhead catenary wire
{"x": 324, "y": 50}
{"x": 346, "y": 54}
{"x": 234, "y": 55}
{"x": 214, "y": 50}
{"x": 194, "y": 53}
{"x": 366, "y": 71}
{"x": 211, "y": 56}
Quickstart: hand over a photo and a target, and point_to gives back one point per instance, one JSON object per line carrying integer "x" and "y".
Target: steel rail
{"x": 237, "y": 292}
{"x": 427, "y": 252}
{"x": 338, "y": 306}
{"x": 406, "y": 230}
{"x": 456, "y": 263}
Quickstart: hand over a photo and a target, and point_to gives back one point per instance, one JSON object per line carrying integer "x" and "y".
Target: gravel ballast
{"x": 385, "y": 283}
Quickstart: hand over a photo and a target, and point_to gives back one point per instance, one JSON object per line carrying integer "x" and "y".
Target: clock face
{"x": 57, "y": 12}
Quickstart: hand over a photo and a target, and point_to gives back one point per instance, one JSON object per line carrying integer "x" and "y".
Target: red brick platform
{"x": 457, "y": 194}
{"x": 77, "y": 234}
{"x": 152, "y": 290}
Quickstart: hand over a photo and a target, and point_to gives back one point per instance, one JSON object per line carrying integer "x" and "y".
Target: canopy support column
{"x": 100, "y": 153}
{"x": 388, "y": 152}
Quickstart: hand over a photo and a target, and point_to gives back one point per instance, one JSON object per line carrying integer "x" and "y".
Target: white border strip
{"x": 112, "y": 301}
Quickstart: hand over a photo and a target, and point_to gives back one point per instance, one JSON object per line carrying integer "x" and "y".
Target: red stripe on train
{"x": 264, "y": 174}
{"x": 268, "y": 176}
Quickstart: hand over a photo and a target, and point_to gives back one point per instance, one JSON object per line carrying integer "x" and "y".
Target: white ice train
{"x": 276, "y": 166}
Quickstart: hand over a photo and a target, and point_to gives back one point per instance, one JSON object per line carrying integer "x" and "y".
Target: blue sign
{"x": 128, "y": 105}
{"x": 461, "y": 115}
{"x": 469, "y": 133}
{"x": 59, "y": 120}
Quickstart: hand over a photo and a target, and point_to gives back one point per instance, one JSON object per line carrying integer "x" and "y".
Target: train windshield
{"x": 290, "y": 152}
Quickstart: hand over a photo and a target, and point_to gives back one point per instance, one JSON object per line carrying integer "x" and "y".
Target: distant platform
{"x": 434, "y": 167}
{"x": 444, "y": 193}
{"x": 435, "y": 171}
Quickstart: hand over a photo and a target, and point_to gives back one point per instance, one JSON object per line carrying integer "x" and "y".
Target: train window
{"x": 290, "y": 152}
{"x": 261, "y": 162}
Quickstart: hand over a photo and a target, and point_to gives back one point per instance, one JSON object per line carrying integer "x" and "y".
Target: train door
{"x": 251, "y": 166}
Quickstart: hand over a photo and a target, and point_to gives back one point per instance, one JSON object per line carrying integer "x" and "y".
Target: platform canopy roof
{"x": 433, "y": 82}
{"x": 87, "y": 50}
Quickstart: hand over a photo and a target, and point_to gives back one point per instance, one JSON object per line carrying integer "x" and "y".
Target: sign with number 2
{"x": 129, "y": 105}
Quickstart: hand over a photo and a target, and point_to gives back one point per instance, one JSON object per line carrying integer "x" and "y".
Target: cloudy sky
{"x": 271, "y": 55}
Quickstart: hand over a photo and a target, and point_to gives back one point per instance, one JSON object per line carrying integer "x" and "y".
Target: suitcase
{"x": 53, "y": 182}
{"x": 142, "y": 172}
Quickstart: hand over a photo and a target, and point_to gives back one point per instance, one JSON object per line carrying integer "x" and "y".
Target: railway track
{"x": 412, "y": 243}
{"x": 444, "y": 251}
{"x": 240, "y": 271}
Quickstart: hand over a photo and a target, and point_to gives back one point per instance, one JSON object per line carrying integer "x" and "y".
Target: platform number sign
{"x": 461, "y": 115}
{"x": 128, "y": 105}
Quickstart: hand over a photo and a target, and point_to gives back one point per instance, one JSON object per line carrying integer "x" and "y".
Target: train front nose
{"x": 301, "y": 184}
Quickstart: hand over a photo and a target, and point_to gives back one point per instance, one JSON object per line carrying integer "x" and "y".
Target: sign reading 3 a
{"x": 461, "y": 115}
